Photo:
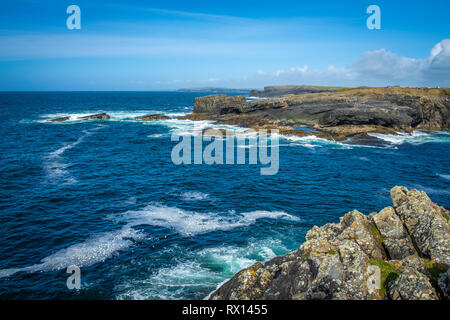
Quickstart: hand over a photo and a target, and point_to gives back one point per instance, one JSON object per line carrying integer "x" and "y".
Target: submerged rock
{"x": 59, "y": 119}
{"x": 407, "y": 243}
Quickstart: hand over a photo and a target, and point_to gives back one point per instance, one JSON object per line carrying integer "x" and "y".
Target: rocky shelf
{"x": 408, "y": 242}
{"x": 336, "y": 115}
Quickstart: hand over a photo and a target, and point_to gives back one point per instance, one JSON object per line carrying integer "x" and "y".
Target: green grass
{"x": 388, "y": 274}
{"x": 375, "y": 233}
{"x": 344, "y": 89}
{"x": 447, "y": 217}
{"x": 434, "y": 268}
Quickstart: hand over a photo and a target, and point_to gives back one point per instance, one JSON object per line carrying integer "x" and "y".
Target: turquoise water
{"x": 105, "y": 196}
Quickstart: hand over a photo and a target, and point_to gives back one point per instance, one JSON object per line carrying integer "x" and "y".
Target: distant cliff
{"x": 214, "y": 90}
{"x": 278, "y": 91}
{"x": 409, "y": 243}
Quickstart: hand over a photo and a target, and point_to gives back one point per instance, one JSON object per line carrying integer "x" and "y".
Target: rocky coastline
{"x": 336, "y": 115}
{"x": 408, "y": 243}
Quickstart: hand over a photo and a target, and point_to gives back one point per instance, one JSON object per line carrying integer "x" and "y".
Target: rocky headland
{"x": 278, "y": 91}
{"x": 408, "y": 243}
{"x": 335, "y": 115}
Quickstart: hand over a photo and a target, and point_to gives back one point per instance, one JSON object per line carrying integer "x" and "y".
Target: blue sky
{"x": 166, "y": 45}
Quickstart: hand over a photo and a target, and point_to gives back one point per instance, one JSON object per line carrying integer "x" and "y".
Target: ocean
{"x": 104, "y": 195}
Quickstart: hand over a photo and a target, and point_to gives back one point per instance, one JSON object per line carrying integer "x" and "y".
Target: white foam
{"x": 170, "y": 283}
{"x": 95, "y": 249}
{"x": 200, "y": 271}
{"x": 415, "y": 138}
{"x": 444, "y": 176}
{"x": 194, "y": 196}
{"x": 189, "y": 223}
{"x": 313, "y": 142}
{"x": 156, "y": 135}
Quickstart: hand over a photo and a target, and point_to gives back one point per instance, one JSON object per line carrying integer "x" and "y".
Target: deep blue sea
{"x": 104, "y": 195}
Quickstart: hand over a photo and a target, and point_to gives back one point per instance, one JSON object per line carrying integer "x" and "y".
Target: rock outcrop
{"x": 219, "y": 104}
{"x": 340, "y": 114}
{"x": 97, "y": 116}
{"x": 152, "y": 117}
{"x": 406, "y": 247}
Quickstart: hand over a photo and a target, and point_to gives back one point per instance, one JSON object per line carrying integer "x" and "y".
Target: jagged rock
{"x": 444, "y": 283}
{"x": 219, "y": 104}
{"x": 412, "y": 285}
{"x": 338, "y": 260}
{"x": 429, "y": 230}
{"x": 413, "y": 262}
{"x": 152, "y": 117}
{"x": 395, "y": 238}
{"x": 332, "y": 264}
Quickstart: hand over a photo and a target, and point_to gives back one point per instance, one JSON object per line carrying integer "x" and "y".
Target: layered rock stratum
{"x": 337, "y": 115}
{"x": 408, "y": 243}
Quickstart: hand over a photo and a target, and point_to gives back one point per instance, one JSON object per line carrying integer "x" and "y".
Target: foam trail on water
{"x": 96, "y": 249}
{"x": 189, "y": 223}
{"x": 444, "y": 176}
{"x": 430, "y": 190}
{"x": 54, "y": 165}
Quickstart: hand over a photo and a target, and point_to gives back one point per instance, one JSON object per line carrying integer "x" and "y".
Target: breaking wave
{"x": 189, "y": 223}
{"x": 417, "y": 137}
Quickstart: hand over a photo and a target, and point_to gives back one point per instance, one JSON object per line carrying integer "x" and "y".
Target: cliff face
{"x": 340, "y": 114}
{"x": 409, "y": 243}
{"x": 219, "y": 104}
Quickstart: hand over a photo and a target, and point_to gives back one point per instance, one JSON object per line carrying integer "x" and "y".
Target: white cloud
{"x": 379, "y": 67}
